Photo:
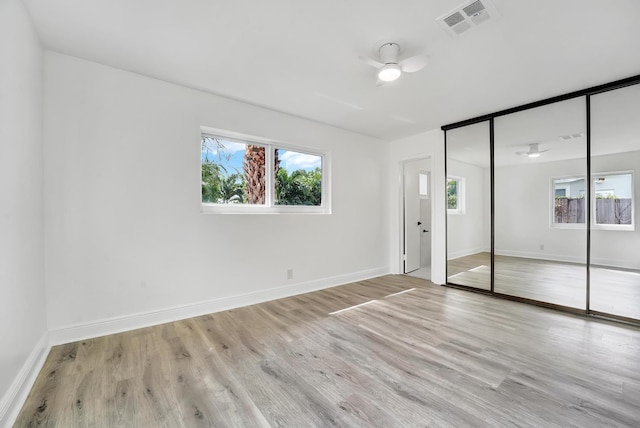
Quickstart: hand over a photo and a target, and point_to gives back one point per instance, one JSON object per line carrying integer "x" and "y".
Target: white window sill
{"x": 617, "y": 227}
{"x": 261, "y": 209}
{"x": 575, "y": 226}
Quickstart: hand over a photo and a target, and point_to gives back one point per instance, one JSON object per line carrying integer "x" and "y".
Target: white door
{"x": 412, "y": 224}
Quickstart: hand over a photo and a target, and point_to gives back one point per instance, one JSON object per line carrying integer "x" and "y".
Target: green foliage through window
{"x": 452, "y": 194}
{"x": 222, "y": 171}
{"x": 299, "y": 188}
{"x": 235, "y": 173}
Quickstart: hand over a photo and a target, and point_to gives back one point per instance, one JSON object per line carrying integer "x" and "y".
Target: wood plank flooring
{"x": 413, "y": 354}
{"x": 614, "y": 291}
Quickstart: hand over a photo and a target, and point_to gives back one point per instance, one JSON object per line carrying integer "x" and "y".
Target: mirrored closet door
{"x": 541, "y": 202}
{"x": 615, "y": 238}
{"x": 468, "y": 167}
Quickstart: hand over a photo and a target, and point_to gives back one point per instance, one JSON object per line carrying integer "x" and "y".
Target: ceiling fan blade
{"x": 370, "y": 61}
{"x": 387, "y": 85}
{"x": 542, "y": 151}
{"x": 415, "y": 63}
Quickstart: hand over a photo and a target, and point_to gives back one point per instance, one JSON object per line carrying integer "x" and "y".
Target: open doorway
{"x": 416, "y": 236}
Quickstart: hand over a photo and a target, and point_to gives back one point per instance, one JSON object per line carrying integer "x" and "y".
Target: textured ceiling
{"x": 301, "y": 57}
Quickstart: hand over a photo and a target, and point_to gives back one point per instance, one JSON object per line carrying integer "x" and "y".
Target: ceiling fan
{"x": 534, "y": 151}
{"x": 390, "y": 67}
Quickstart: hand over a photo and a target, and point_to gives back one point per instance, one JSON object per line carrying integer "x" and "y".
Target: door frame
{"x": 401, "y": 217}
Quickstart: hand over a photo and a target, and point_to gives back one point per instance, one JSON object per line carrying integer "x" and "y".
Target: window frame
{"x": 460, "y": 195}
{"x": 619, "y": 227}
{"x": 592, "y": 206}
{"x": 269, "y": 206}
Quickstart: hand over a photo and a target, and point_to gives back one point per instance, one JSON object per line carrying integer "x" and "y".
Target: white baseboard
{"x": 15, "y": 397}
{"x": 569, "y": 259}
{"x": 541, "y": 256}
{"x": 103, "y": 327}
{"x": 463, "y": 253}
{"x": 614, "y": 263}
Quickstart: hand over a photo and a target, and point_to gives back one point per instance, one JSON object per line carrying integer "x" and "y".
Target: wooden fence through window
{"x": 608, "y": 211}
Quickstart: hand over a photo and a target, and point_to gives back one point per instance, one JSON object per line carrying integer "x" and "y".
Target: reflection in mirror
{"x": 615, "y": 240}
{"x": 540, "y": 204}
{"x": 469, "y": 206}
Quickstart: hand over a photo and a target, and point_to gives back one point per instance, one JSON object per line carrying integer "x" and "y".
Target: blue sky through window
{"x": 231, "y": 154}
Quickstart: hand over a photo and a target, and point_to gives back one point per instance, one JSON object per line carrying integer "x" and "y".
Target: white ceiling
{"x": 301, "y": 56}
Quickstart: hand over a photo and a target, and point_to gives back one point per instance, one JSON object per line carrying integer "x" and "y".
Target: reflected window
{"x": 455, "y": 195}
{"x": 568, "y": 201}
{"x": 613, "y": 200}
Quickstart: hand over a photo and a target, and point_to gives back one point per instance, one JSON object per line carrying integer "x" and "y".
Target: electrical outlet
{"x": 289, "y": 273}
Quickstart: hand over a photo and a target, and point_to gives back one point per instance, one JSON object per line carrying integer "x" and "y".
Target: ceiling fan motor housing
{"x": 389, "y": 53}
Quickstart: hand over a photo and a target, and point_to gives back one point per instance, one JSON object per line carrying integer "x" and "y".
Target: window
{"x": 423, "y": 184}
{"x": 223, "y": 177}
{"x": 568, "y": 201}
{"x": 455, "y": 195}
{"x": 298, "y": 178}
{"x": 242, "y": 175}
{"x": 613, "y": 202}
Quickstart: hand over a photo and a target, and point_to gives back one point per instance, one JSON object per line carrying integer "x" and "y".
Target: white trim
{"x": 543, "y": 256}
{"x": 206, "y": 208}
{"x": 463, "y": 253}
{"x": 16, "y": 395}
{"x": 399, "y": 268}
{"x": 595, "y": 261}
{"x": 72, "y": 333}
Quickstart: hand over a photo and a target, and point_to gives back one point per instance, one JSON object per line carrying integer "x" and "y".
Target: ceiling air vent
{"x": 467, "y": 16}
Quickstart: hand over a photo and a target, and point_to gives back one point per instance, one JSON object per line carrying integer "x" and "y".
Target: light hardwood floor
{"x": 413, "y": 354}
{"x": 613, "y": 291}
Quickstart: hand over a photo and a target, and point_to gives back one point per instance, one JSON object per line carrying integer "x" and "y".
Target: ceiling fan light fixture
{"x": 534, "y": 155}
{"x": 389, "y": 72}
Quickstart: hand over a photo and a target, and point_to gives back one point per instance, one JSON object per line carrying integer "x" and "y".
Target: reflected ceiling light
{"x": 389, "y": 72}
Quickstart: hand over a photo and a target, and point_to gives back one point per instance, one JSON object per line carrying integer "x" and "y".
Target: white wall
{"x": 467, "y": 230}
{"x": 523, "y": 214}
{"x": 427, "y": 144}
{"x": 22, "y": 296}
{"x": 124, "y": 231}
